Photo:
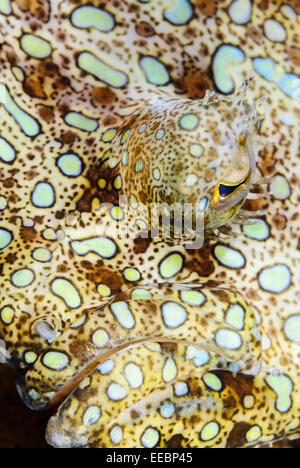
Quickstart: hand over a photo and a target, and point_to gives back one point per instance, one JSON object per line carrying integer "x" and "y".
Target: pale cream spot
{"x": 199, "y": 356}
{"x": 5, "y": 7}
{"x": 171, "y": 265}
{"x": 28, "y": 124}
{"x": 275, "y": 279}
{"x": 70, "y": 164}
{"x": 89, "y": 16}
{"x": 155, "y": 71}
{"x": 118, "y": 182}
{"x": 43, "y": 195}
{"x": 35, "y": 46}
{"x": 100, "y": 70}
{"x": 248, "y": 401}
{"x": 125, "y": 136}
{"x": 265, "y": 342}
{"x": 209, "y": 431}
{"x": 253, "y": 434}
{"x": 91, "y": 416}
{"x": 49, "y": 234}
{"x": 212, "y": 381}
{"x": 41, "y": 255}
{"x": 279, "y": 187}
{"x": 229, "y": 257}
{"x": 191, "y": 180}
{"x": 174, "y": 315}
{"x": 142, "y": 127}
{"x": 131, "y": 274}
{"x": 235, "y": 316}
{"x": 7, "y": 152}
{"x": 133, "y": 201}
{"x": 117, "y": 213}
{"x": 101, "y": 246}
{"x": 139, "y": 165}
{"x": 100, "y": 338}
{"x": 294, "y": 424}
{"x": 153, "y": 347}
{"x": 123, "y": 314}
{"x": 189, "y": 121}
{"x": 104, "y": 290}
{"x": 7, "y": 315}
{"x": 181, "y": 389}
{"x": 240, "y": 11}
{"x": 167, "y": 410}
{"x": 141, "y": 294}
{"x": 30, "y": 357}
{"x": 22, "y": 278}
{"x": 64, "y": 289}
{"x": 259, "y": 231}
{"x": 46, "y": 330}
{"x": 196, "y": 150}
{"x": 156, "y": 174}
{"x": 179, "y": 12}
{"x": 80, "y": 121}
{"x": 274, "y": 30}
{"x": 125, "y": 157}
{"x": 282, "y": 386}
{"x": 109, "y": 135}
{"x": 85, "y": 383}
{"x": 288, "y": 11}
{"x": 195, "y": 298}
{"x": 116, "y": 435}
{"x": 292, "y": 328}
{"x": 228, "y": 339}
{"x": 116, "y": 392}
{"x": 3, "y": 203}
{"x": 223, "y": 66}
{"x": 169, "y": 370}
{"x": 150, "y": 438}
{"x": 17, "y": 71}
{"x": 106, "y": 367}
{"x": 55, "y": 360}
{"x": 134, "y": 375}
{"x": 159, "y": 134}
{"x": 79, "y": 322}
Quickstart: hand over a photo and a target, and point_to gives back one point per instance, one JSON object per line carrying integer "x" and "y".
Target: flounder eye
{"x": 225, "y": 196}
{"x": 226, "y": 190}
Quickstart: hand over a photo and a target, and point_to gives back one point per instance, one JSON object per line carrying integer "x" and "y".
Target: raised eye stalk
{"x": 227, "y": 195}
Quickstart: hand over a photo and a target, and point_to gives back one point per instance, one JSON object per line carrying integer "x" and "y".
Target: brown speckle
{"x": 176, "y": 441}
{"x": 237, "y": 435}
{"x": 145, "y": 29}
{"x": 28, "y": 233}
{"x": 103, "y": 96}
{"x": 46, "y": 113}
{"x": 141, "y": 245}
{"x": 207, "y": 7}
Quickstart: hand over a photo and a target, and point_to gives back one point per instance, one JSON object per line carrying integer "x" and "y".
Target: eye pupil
{"x": 225, "y": 190}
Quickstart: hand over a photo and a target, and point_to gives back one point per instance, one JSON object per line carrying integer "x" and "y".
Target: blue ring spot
{"x": 43, "y": 195}
{"x": 189, "y": 121}
{"x": 275, "y": 279}
{"x": 265, "y": 67}
{"x": 70, "y": 164}
{"x": 7, "y": 152}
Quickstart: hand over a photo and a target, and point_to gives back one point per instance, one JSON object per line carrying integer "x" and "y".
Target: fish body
{"x": 119, "y": 123}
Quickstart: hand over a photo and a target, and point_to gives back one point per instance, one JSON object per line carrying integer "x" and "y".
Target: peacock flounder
{"x": 148, "y": 334}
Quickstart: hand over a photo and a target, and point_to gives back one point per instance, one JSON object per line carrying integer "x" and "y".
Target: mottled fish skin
{"x": 145, "y": 341}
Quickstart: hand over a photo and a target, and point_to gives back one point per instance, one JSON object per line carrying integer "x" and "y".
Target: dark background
{"x": 19, "y": 426}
